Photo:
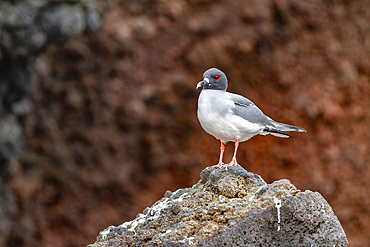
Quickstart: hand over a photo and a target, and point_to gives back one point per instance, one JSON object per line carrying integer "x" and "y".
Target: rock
{"x": 7, "y": 207}
{"x": 231, "y": 207}
{"x": 26, "y": 29}
{"x": 63, "y": 22}
{"x": 10, "y": 139}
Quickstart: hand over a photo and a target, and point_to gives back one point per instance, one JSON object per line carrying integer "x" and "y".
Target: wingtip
{"x": 277, "y": 132}
{"x": 296, "y": 129}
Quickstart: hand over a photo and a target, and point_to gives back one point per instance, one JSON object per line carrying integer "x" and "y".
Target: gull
{"x": 231, "y": 117}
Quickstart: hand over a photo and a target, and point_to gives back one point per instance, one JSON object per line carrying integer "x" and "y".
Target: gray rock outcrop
{"x": 231, "y": 207}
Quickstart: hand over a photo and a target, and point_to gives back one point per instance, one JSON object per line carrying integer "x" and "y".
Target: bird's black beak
{"x": 202, "y": 83}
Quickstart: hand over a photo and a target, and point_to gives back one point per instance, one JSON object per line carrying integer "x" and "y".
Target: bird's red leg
{"x": 233, "y": 161}
{"x": 222, "y": 150}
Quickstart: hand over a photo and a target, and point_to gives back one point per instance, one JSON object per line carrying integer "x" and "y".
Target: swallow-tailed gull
{"x": 231, "y": 117}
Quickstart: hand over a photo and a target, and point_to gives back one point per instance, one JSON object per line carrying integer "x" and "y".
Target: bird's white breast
{"x": 216, "y": 118}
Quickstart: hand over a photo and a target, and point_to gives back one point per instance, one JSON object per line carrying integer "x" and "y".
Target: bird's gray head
{"x": 213, "y": 79}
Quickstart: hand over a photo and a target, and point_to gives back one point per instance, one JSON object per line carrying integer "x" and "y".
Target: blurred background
{"x": 98, "y": 106}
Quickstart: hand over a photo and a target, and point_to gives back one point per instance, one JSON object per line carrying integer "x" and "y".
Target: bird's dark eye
{"x": 217, "y": 77}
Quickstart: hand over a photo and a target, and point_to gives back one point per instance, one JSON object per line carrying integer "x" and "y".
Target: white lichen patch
{"x": 151, "y": 213}
{"x": 185, "y": 195}
{"x": 277, "y": 202}
{"x": 131, "y": 225}
{"x": 261, "y": 179}
{"x": 157, "y": 208}
{"x": 187, "y": 240}
{"x": 222, "y": 199}
{"x": 104, "y": 233}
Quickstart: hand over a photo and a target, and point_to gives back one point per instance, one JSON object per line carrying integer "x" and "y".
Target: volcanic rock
{"x": 231, "y": 207}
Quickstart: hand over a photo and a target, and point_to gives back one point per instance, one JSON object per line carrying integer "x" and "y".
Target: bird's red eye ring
{"x": 217, "y": 77}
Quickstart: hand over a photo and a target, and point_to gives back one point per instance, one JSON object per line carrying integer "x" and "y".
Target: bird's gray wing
{"x": 249, "y": 111}
{"x": 246, "y": 109}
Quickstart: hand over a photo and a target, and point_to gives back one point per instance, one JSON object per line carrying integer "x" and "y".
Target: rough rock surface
{"x": 231, "y": 207}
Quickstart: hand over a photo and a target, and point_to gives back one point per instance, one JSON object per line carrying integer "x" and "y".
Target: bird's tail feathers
{"x": 277, "y": 132}
{"x": 286, "y": 127}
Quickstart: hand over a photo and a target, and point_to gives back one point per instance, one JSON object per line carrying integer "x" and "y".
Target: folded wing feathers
{"x": 281, "y": 128}
{"x": 277, "y": 132}
{"x": 273, "y": 127}
{"x": 286, "y": 127}
{"x": 243, "y": 104}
